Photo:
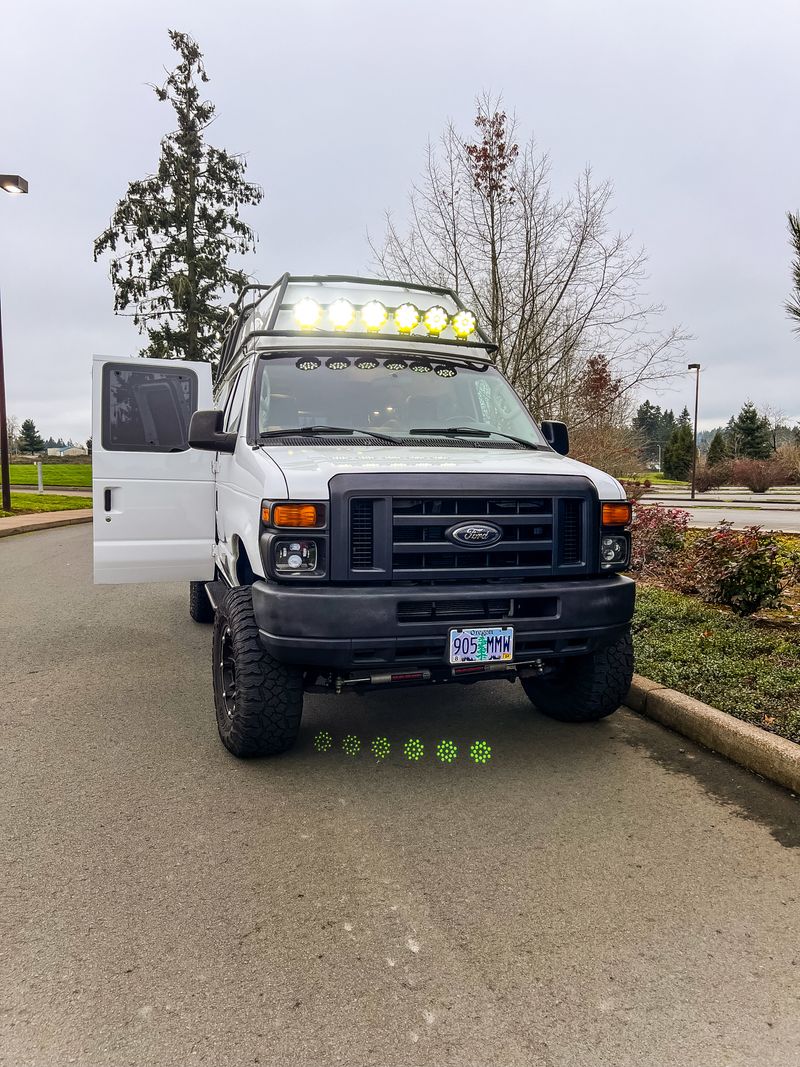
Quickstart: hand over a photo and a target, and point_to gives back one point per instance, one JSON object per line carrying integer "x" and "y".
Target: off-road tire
{"x": 199, "y": 605}
{"x": 586, "y": 688}
{"x": 258, "y": 701}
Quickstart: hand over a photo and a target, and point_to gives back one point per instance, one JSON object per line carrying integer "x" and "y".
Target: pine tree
{"x": 685, "y": 418}
{"x": 29, "y": 439}
{"x": 678, "y": 452}
{"x": 717, "y": 450}
{"x": 172, "y": 234}
{"x": 752, "y": 433}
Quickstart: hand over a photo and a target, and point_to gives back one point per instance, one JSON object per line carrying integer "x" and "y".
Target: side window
{"x": 233, "y": 408}
{"x": 147, "y": 409}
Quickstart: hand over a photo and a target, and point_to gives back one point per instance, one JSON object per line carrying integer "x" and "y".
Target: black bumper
{"x": 364, "y": 627}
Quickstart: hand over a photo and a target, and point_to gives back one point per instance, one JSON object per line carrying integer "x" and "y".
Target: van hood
{"x": 309, "y": 468}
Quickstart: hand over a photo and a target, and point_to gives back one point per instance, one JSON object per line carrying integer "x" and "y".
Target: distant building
{"x": 70, "y": 450}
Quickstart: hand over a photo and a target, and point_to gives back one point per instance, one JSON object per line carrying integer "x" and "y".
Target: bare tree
{"x": 548, "y": 276}
{"x": 793, "y": 303}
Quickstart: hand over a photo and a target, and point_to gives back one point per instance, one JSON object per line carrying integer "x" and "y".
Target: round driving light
{"x": 464, "y": 323}
{"x": 342, "y": 314}
{"x": 366, "y": 363}
{"x": 307, "y": 363}
{"x": 445, "y": 372}
{"x": 337, "y": 363}
{"x": 406, "y": 318}
{"x": 374, "y": 316}
{"x": 395, "y": 364}
{"x": 436, "y": 319}
{"x": 294, "y": 561}
{"x": 419, "y": 366}
{"x": 307, "y": 313}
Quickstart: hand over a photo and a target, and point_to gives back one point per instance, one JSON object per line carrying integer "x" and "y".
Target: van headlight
{"x": 613, "y": 550}
{"x": 295, "y": 557}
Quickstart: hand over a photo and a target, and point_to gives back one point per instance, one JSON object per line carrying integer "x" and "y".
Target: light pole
{"x": 11, "y": 183}
{"x": 695, "y": 367}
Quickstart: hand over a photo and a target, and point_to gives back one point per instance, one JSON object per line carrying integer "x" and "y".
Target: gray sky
{"x": 690, "y": 108}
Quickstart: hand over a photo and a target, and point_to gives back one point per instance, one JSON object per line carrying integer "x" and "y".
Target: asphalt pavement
{"x": 776, "y": 510}
{"x": 594, "y": 896}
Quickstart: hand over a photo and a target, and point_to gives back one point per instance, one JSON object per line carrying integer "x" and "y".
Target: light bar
{"x": 342, "y": 316}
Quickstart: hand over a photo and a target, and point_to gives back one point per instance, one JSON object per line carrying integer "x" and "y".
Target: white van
{"x": 362, "y": 501}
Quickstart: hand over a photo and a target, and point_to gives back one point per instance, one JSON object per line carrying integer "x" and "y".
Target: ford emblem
{"x": 474, "y": 534}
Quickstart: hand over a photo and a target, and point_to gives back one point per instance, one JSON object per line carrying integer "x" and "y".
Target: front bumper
{"x": 367, "y": 627}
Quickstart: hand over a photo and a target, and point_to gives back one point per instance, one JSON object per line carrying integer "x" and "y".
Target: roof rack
{"x": 255, "y": 314}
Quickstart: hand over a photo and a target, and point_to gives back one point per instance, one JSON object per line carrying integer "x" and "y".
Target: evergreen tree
{"x": 172, "y": 234}
{"x": 752, "y": 434}
{"x": 717, "y": 450}
{"x": 29, "y": 439}
{"x": 685, "y": 418}
{"x": 678, "y": 453}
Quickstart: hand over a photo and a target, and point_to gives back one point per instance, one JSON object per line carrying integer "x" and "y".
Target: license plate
{"x": 482, "y": 644}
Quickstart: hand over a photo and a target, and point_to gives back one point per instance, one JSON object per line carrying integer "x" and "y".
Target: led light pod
{"x": 436, "y": 319}
{"x": 406, "y": 318}
{"x": 374, "y": 316}
{"x": 464, "y": 324}
{"x": 307, "y": 313}
{"x": 342, "y": 314}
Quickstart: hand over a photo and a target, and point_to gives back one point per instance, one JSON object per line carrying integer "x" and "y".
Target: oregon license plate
{"x": 482, "y": 644}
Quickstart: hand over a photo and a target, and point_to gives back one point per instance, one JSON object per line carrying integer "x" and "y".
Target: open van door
{"x": 153, "y": 495}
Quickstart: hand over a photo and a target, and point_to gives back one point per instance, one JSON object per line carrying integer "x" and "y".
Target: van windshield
{"x": 393, "y": 395}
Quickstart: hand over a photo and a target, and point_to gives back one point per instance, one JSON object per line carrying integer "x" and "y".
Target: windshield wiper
{"x": 473, "y": 431}
{"x": 320, "y": 431}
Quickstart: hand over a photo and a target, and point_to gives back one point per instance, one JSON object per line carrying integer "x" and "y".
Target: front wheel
{"x": 585, "y": 688}
{"x": 258, "y": 700}
{"x": 200, "y": 608}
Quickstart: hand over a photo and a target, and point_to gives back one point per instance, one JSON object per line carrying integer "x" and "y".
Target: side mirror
{"x": 555, "y": 433}
{"x": 205, "y": 431}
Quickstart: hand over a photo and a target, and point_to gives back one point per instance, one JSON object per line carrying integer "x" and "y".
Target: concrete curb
{"x": 42, "y": 521}
{"x": 758, "y": 750}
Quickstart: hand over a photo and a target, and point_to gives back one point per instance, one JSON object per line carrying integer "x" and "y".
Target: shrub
{"x": 759, "y": 475}
{"x": 745, "y": 569}
{"x": 712, "y": 476}
{"x": 658, "y": 534}
{"x": 634, "y": 489}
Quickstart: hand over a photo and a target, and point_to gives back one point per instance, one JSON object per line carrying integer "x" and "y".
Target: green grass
{"x": 32, "y": 503}
{"x": 748, "y": 668}
{"x": 69, "y": 475}
{"x": 657, "y": 478}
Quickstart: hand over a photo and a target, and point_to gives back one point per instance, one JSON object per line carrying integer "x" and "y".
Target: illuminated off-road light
{"x": 366, "y": 363}
{"x": 414, "y": 749}
{"x": 342, "y": 314}
{"x": 351, "y": 745}
{"x": 436, "y": 319}
{"x": 446, "y": 751}
{"x": 419, "y": 366}
{"x": 464, "y": 324}
{"x": 307, "y": 313}
{"x": 480, "y": 752}
{"x": 308, "y": 363}
{"x": 406, "y": 318}
{"x": 380, "y": 747}
{"x": 337, "y": 363}
{"x": 445, "y": 372}
{"x": 395, "y": 364}
{"x": 323, "y": 741}
{"x": 374, "y": 316}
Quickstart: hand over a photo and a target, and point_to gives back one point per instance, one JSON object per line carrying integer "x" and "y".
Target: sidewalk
{"x": 17, "y": 524}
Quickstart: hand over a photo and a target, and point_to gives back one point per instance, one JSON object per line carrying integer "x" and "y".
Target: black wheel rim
{"x": 227, "y": 673}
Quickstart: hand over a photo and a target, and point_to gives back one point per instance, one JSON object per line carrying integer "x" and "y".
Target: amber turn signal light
{"x": 296, "y": 515}
{"x": 617, "y": 514}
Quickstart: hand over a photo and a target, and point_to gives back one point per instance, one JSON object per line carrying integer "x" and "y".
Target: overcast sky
{"x": 689, "y": 107}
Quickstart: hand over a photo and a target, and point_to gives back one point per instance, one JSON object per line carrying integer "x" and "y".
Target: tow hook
{"x": 532, "y": 669}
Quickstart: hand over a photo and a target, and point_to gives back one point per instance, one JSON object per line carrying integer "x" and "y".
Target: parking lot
{"x": 597, "y": 895}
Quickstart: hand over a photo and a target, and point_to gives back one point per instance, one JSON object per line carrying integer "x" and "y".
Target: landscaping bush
{"x": 658, "y": 535}
{"x": 634, "y": 489}
{"x": 712, "y": 476}
{"x": 745, "y": 569}
{"x": 759, "y": 475}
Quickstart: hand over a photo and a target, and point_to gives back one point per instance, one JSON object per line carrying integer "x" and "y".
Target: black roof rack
{"x": 253, "y": 295}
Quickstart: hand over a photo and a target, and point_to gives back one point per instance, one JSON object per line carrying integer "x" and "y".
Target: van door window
{"x": 147, "y": 410}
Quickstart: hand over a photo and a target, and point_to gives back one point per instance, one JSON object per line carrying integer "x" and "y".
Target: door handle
{"x": 107, "y": 499}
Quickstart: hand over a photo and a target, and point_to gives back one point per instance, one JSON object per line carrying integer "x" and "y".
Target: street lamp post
{"x": 695, "y": 367}
{"x": 15, "y": 184}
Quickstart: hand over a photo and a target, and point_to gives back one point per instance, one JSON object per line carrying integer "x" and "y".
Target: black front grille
{"x": 397, "y": 528}
{"x": 362, "y": 539}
